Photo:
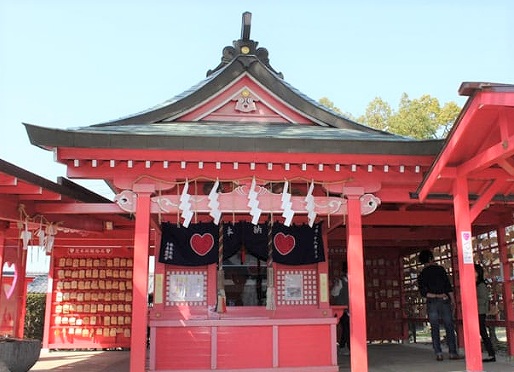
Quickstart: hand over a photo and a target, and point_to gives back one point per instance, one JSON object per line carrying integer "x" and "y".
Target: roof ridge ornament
{"x": 246, "y": 26}
{"x": 244, "y": 47}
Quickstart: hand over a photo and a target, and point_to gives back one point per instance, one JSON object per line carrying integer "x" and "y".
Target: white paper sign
{"x": 467, "y": 247}
{"x": 293, "y": 287}
{"x": 186, "y": 287}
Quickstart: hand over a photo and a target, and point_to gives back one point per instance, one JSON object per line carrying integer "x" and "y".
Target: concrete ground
{"x": 83, "y": 361}
{"x": 381, "y": 358}
{"x": 417, "y": 358}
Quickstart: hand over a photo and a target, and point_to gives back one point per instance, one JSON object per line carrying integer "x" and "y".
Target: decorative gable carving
{"x": 244, "y": 100}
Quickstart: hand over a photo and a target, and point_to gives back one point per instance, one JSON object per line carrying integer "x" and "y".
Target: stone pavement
{"x": 83, "y": 361}
{"x": 417, "y": 358}
{"x": 381, "y": 358}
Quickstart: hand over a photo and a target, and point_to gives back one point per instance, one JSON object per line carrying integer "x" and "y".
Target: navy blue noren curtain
{"x": 293, "y": 245}
{"x": 197, "y": 245}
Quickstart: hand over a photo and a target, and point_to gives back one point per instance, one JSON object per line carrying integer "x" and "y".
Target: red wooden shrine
{"x": 22, "y": 224}
{"x": 243, "y": 145}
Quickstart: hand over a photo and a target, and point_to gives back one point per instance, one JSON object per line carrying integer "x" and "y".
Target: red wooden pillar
{"x": 21, "y": 299}
{"x": 3, "y": 228}
{"x": 49, "y": 311}
{"x": 12, "y": 307}
{"x": 508, "y": 303}
{"x": 324, "y": 297}
{"x": 357, "y": 305}
{"x": 140, "y": 279}
{"x": 459, "y": 327}
{"x": 404, "y": 305}
{"x": 467, "y": 280}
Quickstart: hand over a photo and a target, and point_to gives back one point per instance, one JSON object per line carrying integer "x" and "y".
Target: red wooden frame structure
{"x": 21, "y": 195}
{"x": 244, "y": 126}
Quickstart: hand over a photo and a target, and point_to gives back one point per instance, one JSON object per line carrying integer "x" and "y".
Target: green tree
{"x": 416, "y": 118}
{"x": 420, "y": 118}
{"x": 447, "y": 117}
{"x": 330, "y": 105}
{"x": 423, "y": 118}
{"x": 35, "y": 316}
{"x": 378, "y": 113}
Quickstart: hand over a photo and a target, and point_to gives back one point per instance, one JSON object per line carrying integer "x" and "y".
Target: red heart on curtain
{"x": 202, "y": 244}
{"x": 284, "y": 243}
{"x": 9, "y": 289}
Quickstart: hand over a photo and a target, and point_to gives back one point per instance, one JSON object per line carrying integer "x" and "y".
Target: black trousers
{"x": 344, "y": 322}
{"x": 485, "y": 336}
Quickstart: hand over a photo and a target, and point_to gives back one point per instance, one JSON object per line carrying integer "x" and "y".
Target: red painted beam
{"x": 9, "y": 209}
{"x": 488, "y": 157}
{"x": 68, "y": 155}
{"x": 7, "y": 180}
{"x": 125, "y": 177}
{"x": 44, "y": 196}
{"x": 78, "y": 208}
{"x": 21, "y": 188}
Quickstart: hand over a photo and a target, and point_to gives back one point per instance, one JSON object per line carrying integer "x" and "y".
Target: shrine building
{"x": 252, "y": 197}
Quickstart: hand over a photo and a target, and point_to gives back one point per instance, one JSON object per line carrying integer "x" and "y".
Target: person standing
{"x": 434, "y": 284}
{"x": 483, "y": 305}
{"x": 339, "y": 293}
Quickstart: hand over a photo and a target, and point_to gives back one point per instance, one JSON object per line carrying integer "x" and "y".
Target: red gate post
{"x": 508, "y": 304}
{"x": 459, "y": 326}
{"x": 140, "y": 279}
{"x": 467, "y": 280}
{"x": 357, "y": 306}
{"x": 3, "y": 227}
{"x": 22, "y": 295}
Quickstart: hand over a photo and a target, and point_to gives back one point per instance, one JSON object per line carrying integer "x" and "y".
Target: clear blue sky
{"x": 66, "y": 64}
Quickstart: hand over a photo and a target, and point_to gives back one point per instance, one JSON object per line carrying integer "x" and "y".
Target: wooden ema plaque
{"x": 91, "y": 304}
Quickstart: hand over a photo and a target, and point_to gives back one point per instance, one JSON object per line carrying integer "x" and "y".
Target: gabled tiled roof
{"x": 222, "y": 137}
{"x": 242, "y": 64}
{"x": 158, "y": 127}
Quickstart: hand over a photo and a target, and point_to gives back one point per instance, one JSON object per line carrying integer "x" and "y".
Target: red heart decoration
{"x": 202, "y": 244}
{"x": 9, "y": 289}
{"x": 284, "y": 243}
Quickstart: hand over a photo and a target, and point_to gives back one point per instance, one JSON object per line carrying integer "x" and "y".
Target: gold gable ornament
{"x": 246, "y": 102}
